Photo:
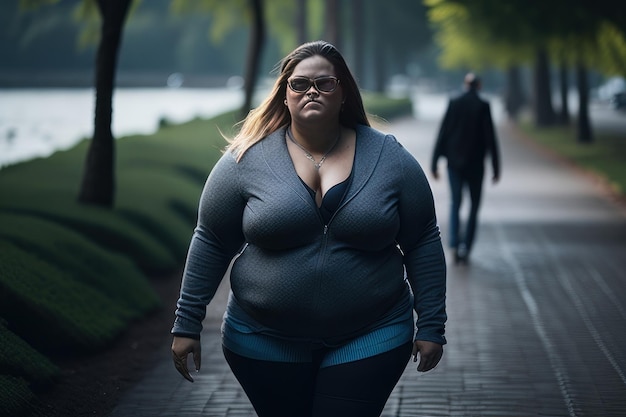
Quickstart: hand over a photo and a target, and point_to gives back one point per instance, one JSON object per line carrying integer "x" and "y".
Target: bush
{"x": 51, "y": 310}
{"x": 114, "y": 275}
{"x": 16, "y": 398}
{"x": 143, "y": 203}
{"x": 55, "y": 203}
{"x": 379, "y": 106}
{"x": 18, "y": 359}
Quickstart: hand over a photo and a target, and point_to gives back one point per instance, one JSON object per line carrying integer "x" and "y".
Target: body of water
{"x": 37, "y": 122}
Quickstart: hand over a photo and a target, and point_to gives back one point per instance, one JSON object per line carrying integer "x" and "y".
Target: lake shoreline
{"x": 124, "y": 79}
{"x": 36, "y": 122}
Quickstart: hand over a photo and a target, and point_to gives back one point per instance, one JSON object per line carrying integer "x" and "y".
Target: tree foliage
{"x": 610, "y": 50}
{"x": 499, "y": 33}
{"x": 35, "y": 4}
{"x": 466, "y": 42}
{"x": 232, "y": 15}
{"x": 577, "y": 33}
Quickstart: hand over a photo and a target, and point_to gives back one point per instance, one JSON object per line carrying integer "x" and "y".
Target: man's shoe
{"x": 461, "y": 254}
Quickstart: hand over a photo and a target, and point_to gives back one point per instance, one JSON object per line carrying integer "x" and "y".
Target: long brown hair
{"x": 272, "y": 114}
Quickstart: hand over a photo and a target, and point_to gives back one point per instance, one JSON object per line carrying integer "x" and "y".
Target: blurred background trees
{"x": 571, "y": 35}
{"x": 535, "y": 54}
{"x": 206, "y": 41}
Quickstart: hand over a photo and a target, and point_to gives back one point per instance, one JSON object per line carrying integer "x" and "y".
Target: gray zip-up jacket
{"x": 305, "y": 278}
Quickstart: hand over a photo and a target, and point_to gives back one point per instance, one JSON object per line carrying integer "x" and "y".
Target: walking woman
{"x": 332, "y": 228}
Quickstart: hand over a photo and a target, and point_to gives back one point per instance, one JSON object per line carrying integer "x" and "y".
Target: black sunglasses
{"x": 326, "y": 84}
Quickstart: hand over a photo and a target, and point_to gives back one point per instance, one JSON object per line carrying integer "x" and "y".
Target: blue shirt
{"x": 247, "y": 337}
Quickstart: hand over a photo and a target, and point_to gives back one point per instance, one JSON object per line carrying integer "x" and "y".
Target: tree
{"x": 563, "y": 117}
{"x": 487, "y": 33}
{"x": 255, "y": 48}
{"x": 358, "y": 36}
{"x": 544, "y": 112}
{"x": 547, "y": 30}
{"x": 98, "y": 182}
{"x": 301, "y": 21}
{"x": 378, "y": 42}
{"x": 385, "y": 38}
{"x": 514, "y": 98}
{"x": 332, "y": 19}
{"x": 583, "y": 131}
{"x": 228, "y": 15}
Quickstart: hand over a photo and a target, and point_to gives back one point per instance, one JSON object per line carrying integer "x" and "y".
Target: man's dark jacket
{"x": 467, "y": 135}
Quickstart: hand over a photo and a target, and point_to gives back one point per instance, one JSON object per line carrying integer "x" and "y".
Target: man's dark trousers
{"x": 470, "y": 178}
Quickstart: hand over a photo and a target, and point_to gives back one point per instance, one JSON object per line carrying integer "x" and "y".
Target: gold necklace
{"x": 310, "y": 157}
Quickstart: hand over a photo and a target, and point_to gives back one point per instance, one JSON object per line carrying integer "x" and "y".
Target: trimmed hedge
{"x": 52, "y": 310}
{"x": 380, "y": 106}
{"x": 18, "y": 359}
{"x": 105, "y": 227}
{"x": 16, "y": 398}
{"x": 111, "y": 273}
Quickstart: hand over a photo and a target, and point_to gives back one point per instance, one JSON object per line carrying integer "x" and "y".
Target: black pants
{"x": 472, "y": 179}
{"x": 354, "y": 389}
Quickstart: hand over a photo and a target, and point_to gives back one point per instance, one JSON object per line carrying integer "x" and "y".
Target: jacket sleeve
{"x": 424, "y": 259}
{"x": 215, "y": 241}
{"x": 441, "y": 142}
{"x": 491, "y": 141}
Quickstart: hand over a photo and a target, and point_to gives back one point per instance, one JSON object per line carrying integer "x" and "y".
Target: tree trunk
{"x": 255, "y": 47}
{"x": 514, "y": 99}
{"x": 301, "y": 21}
{"x": 584, "y": 133}
{"x": 332, "y": 13}
{"x": 358, "y": 36}
{"x": 544, "y": 112}
{"x": 564, "y": 83}
{"x": 378, "y": 50}
{"x": 98, "y": 182}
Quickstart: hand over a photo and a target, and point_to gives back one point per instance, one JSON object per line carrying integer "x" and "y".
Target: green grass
{"x": 47, "y": 188}
{"x": 18, "y": 358}
{"x": 70, "y": 251}
{"x": 53, "y": 309}
{"x": 605, "y": 156}
{"x": 16, "y": 397}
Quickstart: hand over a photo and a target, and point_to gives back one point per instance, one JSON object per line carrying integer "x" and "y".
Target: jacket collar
{"x": 369, "y": 145}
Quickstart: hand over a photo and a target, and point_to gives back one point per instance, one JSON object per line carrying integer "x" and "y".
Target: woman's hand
{"x": 429, "y": 352}
{"x": 181, "y": 348}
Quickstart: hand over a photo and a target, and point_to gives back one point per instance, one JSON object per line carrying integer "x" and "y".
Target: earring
{"x": 285, "y": 102}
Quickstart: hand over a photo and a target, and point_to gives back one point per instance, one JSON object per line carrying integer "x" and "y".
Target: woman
{"x": 333, "y": 228}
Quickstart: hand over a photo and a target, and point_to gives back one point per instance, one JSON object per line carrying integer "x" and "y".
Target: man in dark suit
{"x": 465, "y": 138}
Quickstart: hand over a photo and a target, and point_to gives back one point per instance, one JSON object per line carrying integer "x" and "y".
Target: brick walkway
{"x": 536, "y": 321}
